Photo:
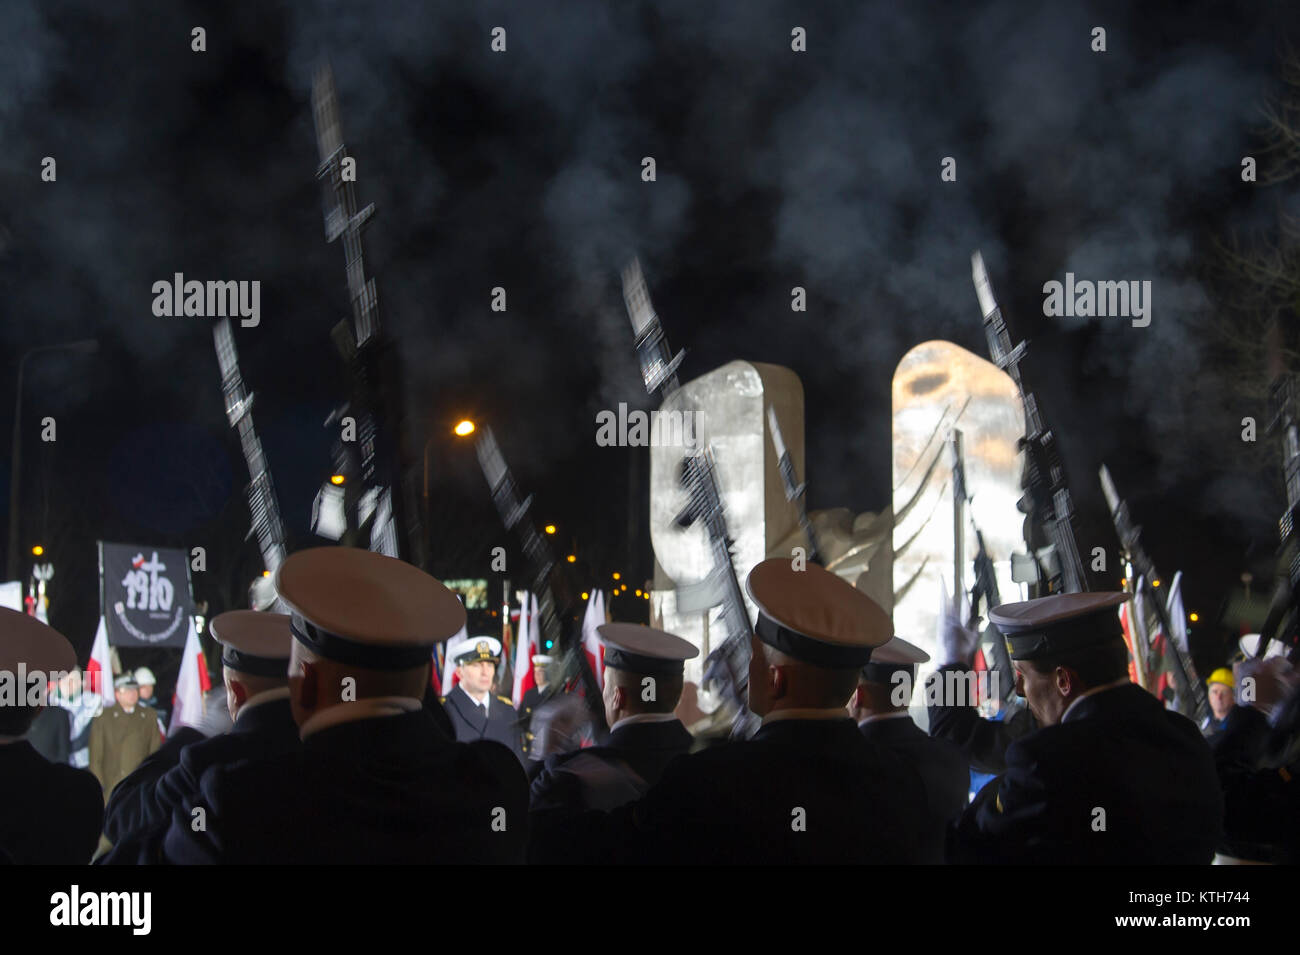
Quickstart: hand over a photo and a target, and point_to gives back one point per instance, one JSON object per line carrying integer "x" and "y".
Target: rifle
{"x": 1046, "y": 501}
{"x": 795, "y": 492}
{"x": 985, "y": 586}
{"x": 1283, "y": 620}
{"x": 377, "y": 458}
{"x": 1191, "y": 694}
{"x": 263, "y": 507}
{"x": 727, "y": 665}
{"x": 514, "y": 514}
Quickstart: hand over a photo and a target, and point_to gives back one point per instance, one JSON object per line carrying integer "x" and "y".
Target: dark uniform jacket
{"x": 799, "y": 791}
{"x": 119, "y": 742}
{"x": 49, "y": 814}
{"x": 604, "y": 777}
{"x": 1261, "y": 820}
{"x": 51, "y": 734}
{"x": 1118, "y": 751}
{"x": 146, "y": 798}
{"x": 532, "y": 696}
{"x": 983, "y": 741}
{"x": 383, "y": 790}
{"x": 942, "y": 766}
{"x": 501, "y": 725}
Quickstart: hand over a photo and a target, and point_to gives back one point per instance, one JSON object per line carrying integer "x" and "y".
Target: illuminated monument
{"x": 939, "y": 387}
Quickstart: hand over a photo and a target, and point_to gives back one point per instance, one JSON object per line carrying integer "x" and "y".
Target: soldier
{"x": 643, "y": 683}
{"x": 375, "y": 781}
{"x": 255, "y": 662}
{"x": 148, "y": 683}
{"x": 533, "y": 695}
{"x": 1112, "y": 776}
{"x": 122, "y": 736}
{"x": 879, "y": 705}
{"x": 474, "y": 712}
{"x": 808, "y": 787}
{"x": 49, "y": 814}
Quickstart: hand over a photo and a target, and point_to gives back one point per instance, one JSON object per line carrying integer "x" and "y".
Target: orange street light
{"x": 337, "y": 479}
{"x": 464, "y": 428}
{"x": 550, "y": 528}
{"x": 617, "y": 575}
{"x": 38, "y": 550}
{"x": 584, "y": 595}
{"x": 1195, "y": 617}
{"x": 572, "y": 558}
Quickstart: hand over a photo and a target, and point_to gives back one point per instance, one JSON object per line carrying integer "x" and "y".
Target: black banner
{"x": 145, "y": 595}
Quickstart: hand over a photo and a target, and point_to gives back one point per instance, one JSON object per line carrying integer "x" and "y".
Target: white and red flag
{"x": 525, "y": 647}
{"x": 99, "y": 670}
{"x": 591, "y": 643}
{"x": 192, "y": 683}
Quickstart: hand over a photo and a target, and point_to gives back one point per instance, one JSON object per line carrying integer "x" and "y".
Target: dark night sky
{"x": 522, "y": 169}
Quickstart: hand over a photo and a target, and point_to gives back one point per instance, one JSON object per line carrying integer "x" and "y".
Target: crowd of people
{"x": 340, "y": 753}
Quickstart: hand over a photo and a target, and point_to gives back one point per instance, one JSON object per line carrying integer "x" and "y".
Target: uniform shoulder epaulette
{"x": 506, "y": 699}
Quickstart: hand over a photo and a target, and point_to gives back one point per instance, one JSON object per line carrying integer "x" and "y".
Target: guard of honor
{"x": 643, "y": 684}
{"x": 335, "y": 758}
{"x": 1110, "y": 776}
{"x": 255, "y": 663}
{"x": 879, "y": 704}
{"x": 475, "y": 712}
{"x": 533, "y": 696}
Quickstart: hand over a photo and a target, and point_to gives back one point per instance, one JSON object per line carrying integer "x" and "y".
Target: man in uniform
{"x": 49, "y": 814}
{"x": 643, "y": 684}
{"x": 474, "y": 711}
{"x": 376, "y": 781}
{"x": 808, "y": 787}
{"x": 148, "y": 683}
{"x": 879, "y": 705}
{"x": 533, "y": 695}
{"x": 255, "y": 662}
{"x": 122, "y": 736}
{"x": 1112, "y": 777}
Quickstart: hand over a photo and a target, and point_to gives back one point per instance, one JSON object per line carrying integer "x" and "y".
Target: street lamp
{"x": 83, "y": 346}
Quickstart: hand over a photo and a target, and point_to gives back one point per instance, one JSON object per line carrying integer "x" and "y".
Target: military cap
{"x": 32, "y": 646}
{"x": 1061, "y": 623}
{"x": 639, "y": 649}
{"x": 254, "y": 642}
{"x": 126, "y": 682}
{"x": 896, "y": 656}
{"x": 815, "y": 616}
{"x": 542, "y": 659}
{"x": 364, "y": 609}
{"x": 477, "y": 650}
{"x": 144, "y": 676}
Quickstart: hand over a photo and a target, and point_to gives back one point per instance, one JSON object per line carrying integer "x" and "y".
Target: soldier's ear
{"x": 240, "y": 692}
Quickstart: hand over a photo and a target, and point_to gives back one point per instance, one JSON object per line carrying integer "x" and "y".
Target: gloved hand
{"x": 955, "y": 638}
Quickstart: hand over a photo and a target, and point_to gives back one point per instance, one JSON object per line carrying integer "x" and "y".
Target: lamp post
{"x": 84, "y": 346}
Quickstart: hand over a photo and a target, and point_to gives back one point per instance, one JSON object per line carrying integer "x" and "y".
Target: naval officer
{"x": 376, "y": 781}
{"x": 475, "y": 712}
{"x": 255, "y": 663}
{"x": 643, "y": 684}
{"x": 1111, "y": 776}
{"x": 879, "y": 706}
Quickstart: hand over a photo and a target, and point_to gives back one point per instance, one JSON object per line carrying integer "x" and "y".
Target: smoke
{"x": 523, "y": 170}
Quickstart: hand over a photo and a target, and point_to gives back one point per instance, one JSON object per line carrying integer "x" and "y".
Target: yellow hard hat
{"x": 1221, "y": 675}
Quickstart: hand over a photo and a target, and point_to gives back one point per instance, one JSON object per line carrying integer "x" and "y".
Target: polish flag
{"x": 525, "y": 647}
{"x": 591, "y": 643}
{"x": 99, "y": 670}
{"x": 192, "y": 683}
